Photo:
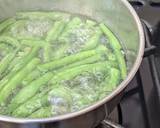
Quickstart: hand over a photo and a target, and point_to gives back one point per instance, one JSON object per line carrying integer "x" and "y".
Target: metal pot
{"x": 122, "y": 20}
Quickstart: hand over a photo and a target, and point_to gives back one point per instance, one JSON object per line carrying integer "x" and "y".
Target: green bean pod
{"x": 73, "y": 23}
{"x": 31, "y": 89}
{"x": 115, "y": 44}
{"x": 4, "y": 63}
{"x": 47, "y": 53}
{"x": 90, "y": 23}
{"x": 12, "y": 28}
{"x": 30, "y": 106}
{"x": 61, "y": 51}
{"x": 17, "y": 79}
{"x": 9, "y": 40}
{"x": 73, "y": 72}
{"x": 54, "y": 33}
{"x": 62, "y": 106}
{"x": 6, "y": 23}
{"x": 115, "y": 78}
{"x": 69, "y": 28}
{"x": 34, "y": 75}
{"x": 33, "y": 43}
{"x": 42, "y": 113}
{"x": 93, "y": 41}
{"x": 19, "y": 66}
{"x": 21, "y": 61}
{"x": 70, "y": 59}
{"x": 110, "y": 82}
{"x": 112, "y": 59}
{"x": 27, "y": 58}
{"x": 5, "y": 47}
{"x": 89, "y": 60}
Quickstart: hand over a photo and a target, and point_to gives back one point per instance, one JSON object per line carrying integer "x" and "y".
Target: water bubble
{"x": 38, "y": 28}
{"x": 60, "y": 101}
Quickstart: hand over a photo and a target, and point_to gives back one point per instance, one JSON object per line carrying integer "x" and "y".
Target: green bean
{"x": 93, "y": 41}
{"x": 69, "y": 27}
{"x": 39, "y": 43}
{"x": 114, "y": 78}
{"x": 57, "y": 108}
{"x": 90, "y": 60}
{"x": 9, "y": 40}
{"x": 19, "y": 66}
{"x": 21, "y": 61}
{"x": 17, "y": 79}
{"x": 33, "y": 43}
{"x": 28, "y": 58}
{"x": 61, "y": 51}
{"x": 110, "y": 82}
{"x": 31, "y": 89}
{"x": 73, "y": 23}
{"x": 34, "y": 39}
{"x": 30, "y": 106}
{"x": 42, "y": 15}
{"x": 4, "y": 63}
{"x": 122, "y": 63}
{"x": 91, "y": 23}
{"x": 115, "y": 44}
{"x": 54, "y": 33}
{"x": 42, "y": 113}
{"x": 13, "y": 27}
{"x": 112, "y": 59}
{"x": 71, "y": 59}
{"x": 79, "y": 101}
{"x": 47, "y": 53}
{"x": 5, "y": 47}
{"x": 64, "y": 105}
{"x": 73, "y": 72}
{"x": 35, "y": 74}
{"x": 6, "y": 23}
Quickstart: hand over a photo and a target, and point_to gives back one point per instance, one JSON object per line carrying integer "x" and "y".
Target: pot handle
{"x": 150, "y": 49}
{"x": 109, "y": 124}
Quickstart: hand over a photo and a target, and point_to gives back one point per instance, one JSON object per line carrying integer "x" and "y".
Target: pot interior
{"x": 111, "y": 12}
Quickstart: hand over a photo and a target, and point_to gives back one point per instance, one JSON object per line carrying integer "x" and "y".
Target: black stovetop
{"x": 140, "y": 106}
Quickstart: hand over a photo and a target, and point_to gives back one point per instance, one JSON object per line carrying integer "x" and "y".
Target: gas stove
{"x": 140, "y": 106}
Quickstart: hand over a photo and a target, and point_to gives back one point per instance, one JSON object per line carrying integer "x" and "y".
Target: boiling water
{"x": 71, "y": 85}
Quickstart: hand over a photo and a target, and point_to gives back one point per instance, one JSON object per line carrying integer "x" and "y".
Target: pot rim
{"x": 119, "y": 89}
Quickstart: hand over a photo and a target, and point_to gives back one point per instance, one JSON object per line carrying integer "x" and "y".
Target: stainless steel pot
{"x": 123, "y": 21}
